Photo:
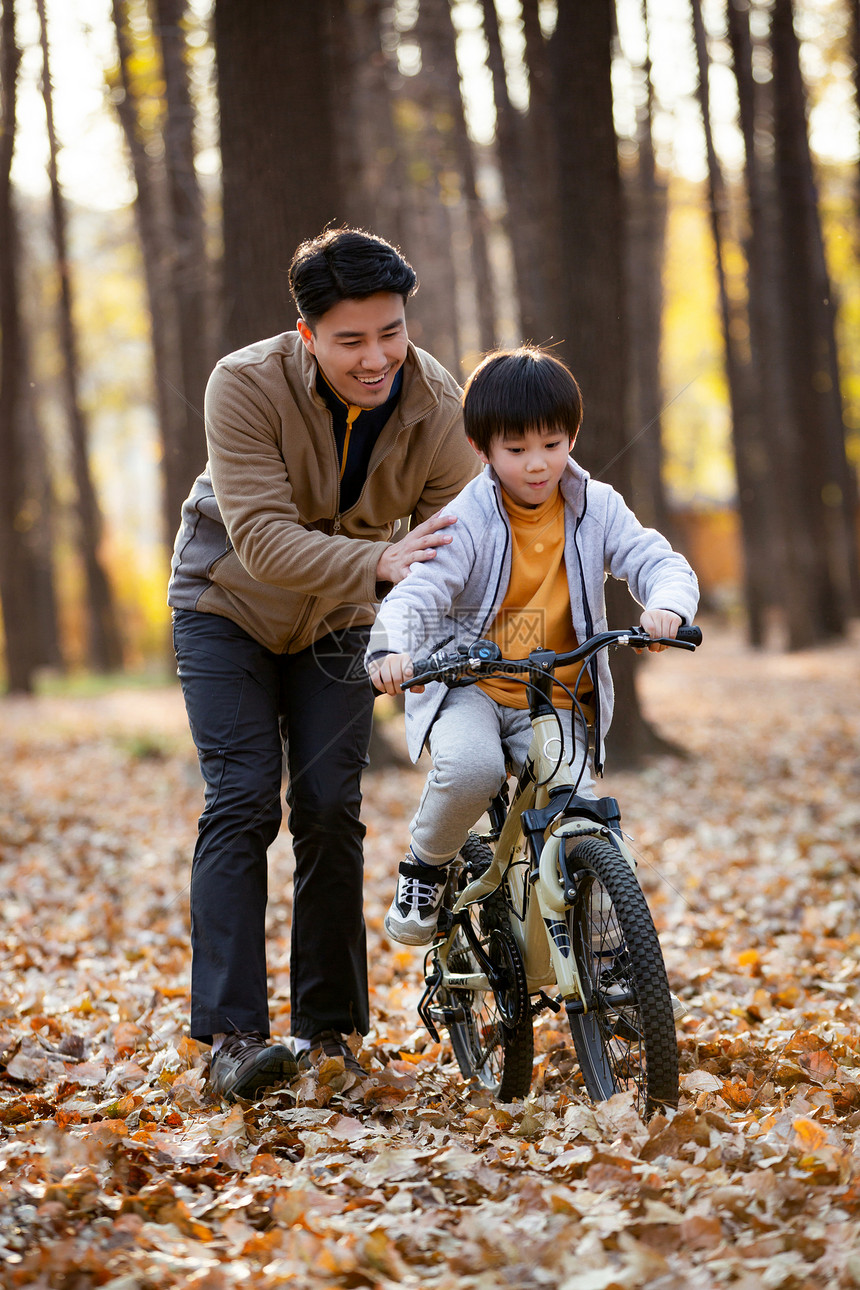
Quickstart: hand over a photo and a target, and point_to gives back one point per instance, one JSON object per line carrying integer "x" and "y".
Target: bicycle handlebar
{"x": 483, "y": 658}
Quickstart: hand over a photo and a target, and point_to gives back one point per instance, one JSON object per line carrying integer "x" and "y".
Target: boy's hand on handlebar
{"x": 419, "y": 545}
{"x": 659, "y": 622}
{"x": 389, "y": 673}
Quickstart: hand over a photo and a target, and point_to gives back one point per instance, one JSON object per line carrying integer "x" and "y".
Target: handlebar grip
{"x": 420, "y": 667}
{"x": 690, "y": 635}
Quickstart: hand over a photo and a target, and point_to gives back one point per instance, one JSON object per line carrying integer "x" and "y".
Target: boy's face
{"x": 529, "y": 467}
{"x": 360, "y": 346}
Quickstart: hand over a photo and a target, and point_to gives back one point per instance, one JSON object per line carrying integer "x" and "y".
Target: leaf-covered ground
{"x": 117, "y": 1169}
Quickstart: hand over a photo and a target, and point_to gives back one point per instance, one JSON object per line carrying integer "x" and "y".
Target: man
{"x": 319, "y": 440}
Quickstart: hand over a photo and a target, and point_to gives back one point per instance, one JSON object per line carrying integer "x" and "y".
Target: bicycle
{"x": 549, "y": 897}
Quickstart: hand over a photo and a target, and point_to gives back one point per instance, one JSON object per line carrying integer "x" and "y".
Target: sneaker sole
{"x": 408, "y": 933}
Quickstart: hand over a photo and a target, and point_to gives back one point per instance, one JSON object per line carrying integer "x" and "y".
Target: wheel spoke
{"x": 494, "y": 1044}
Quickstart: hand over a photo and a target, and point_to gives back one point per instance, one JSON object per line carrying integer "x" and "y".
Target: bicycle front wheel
{"x": 626, "y": 1040}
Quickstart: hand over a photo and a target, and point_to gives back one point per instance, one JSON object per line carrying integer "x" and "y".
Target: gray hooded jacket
{"x": 459, "y": 593}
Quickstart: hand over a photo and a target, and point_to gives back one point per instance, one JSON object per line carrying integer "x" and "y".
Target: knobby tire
{"x": 631, "y": 1045}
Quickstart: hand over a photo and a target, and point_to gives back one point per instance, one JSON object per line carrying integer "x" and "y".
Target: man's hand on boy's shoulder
{"x": 660, "y": 622}
{"x": 418, "y": 545}
{"x": 389, "y": 673}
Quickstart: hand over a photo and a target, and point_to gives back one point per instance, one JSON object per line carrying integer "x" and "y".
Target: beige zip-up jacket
{"x": 262, "y": 540}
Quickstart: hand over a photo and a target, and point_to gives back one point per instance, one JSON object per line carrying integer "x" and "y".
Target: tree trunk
{"x": 105, "y": 649}
{"x": 646, "y": 234}
{"x": 190, "y": 270}
{"x": 15, "y": 570}
{"x": 485, "y": 291}
{"x": 787, "y": 549}
{"x": 444, "y": 197}
{"x": 809, "y": 314}
{"x": 280, "y": 186}
{"x": 150, "y": 212}
{"x": 520, "y": 196}
{"x": 751, "y": 477}
{"x": 36, "y": 524}
{"x": 593, "y": 332}
{"x": 542, "y": 212}
{"x": 370, "y": 161}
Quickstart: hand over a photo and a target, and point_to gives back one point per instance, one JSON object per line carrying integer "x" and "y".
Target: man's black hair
{"x": 346, "y": 264}
{"x": 512, "y": 391}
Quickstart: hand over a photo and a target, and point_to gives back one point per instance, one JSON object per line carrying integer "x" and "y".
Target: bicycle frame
{"x": 536, "y": 917}
{"x": 528, "y": 861}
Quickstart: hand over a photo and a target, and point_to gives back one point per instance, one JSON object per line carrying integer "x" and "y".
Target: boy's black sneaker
{"x": 414, "y": 912}
{"x": 245, "y": 1064}
{"x": 331, "y": 1043}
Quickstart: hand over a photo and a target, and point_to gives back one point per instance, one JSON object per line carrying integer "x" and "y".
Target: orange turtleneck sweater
{"x": 535, "y": 613}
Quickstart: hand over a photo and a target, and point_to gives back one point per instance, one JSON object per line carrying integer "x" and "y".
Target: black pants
{"x": 243, "y": 701}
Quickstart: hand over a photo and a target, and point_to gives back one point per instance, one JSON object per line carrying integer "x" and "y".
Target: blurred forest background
{"x": 667, "y": 191}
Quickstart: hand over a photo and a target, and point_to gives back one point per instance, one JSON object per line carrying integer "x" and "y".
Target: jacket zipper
{"x": 506, "y": 524}
{"x": 589, "y": 628}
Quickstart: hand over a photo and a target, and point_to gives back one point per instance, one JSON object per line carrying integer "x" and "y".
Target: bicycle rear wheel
{"x": 494, "y": 1040}
{"x": 626, "y": 1040}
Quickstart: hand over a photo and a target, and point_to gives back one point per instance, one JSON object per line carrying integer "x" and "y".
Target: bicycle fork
{"x": 554, "y": 888}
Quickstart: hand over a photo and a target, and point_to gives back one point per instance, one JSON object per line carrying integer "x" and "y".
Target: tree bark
{"x": 593, "y": 332}
{"x": 809, "y": 313}
{"x": 751, "y": 478}
{"x": 370, "y": 160}
{"x": 278, "y": 146}
{"x": 105, "y": 648}
{"x": 646, "y": 235}
{"x": 150, "y": 212}
{"x": 520, "y": 195}
{"x": 462, "y": 154}
{"x": 190, "y": 270}
{"x": 778, "y": 466}
{"x": 442, "y": 198}
{"x": 35, "y": 522}
{"x": 15, "y": 567}
{"x": 541, "y": 230}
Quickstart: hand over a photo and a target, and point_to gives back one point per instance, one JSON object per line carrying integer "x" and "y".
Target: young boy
{"x": 534, "y": 539}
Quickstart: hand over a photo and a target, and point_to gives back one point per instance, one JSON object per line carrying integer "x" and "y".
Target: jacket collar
{"x": 573, "y": 484}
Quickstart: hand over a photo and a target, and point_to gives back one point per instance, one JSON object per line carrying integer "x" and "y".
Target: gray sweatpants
{"x": 474, "y": 741}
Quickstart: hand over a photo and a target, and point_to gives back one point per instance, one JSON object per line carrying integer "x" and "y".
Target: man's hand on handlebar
{"x": 389, "y": 673}
{"x": 659, "y": 622}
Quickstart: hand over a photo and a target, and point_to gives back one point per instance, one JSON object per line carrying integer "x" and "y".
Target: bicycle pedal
{"x": 444, "y": 924}
{"x": 542, "y": 1002}
{"x": 448, "y": 1016}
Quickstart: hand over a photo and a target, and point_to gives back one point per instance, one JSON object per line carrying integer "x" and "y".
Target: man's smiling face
{"x": 360, "y": 345}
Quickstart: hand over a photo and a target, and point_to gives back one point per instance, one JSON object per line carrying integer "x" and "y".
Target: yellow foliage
{"x": 696, "y": 423}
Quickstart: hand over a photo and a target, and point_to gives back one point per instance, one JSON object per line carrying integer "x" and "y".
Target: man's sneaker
{"x": 245, "y": 1064}
{"x": 414, "y": 911}
{"x": 330, "y": 1043}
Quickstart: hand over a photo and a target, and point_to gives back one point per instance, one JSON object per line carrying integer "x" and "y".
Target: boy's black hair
{"x": 512, "y": 391}
{"x": 346, "y": 264}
